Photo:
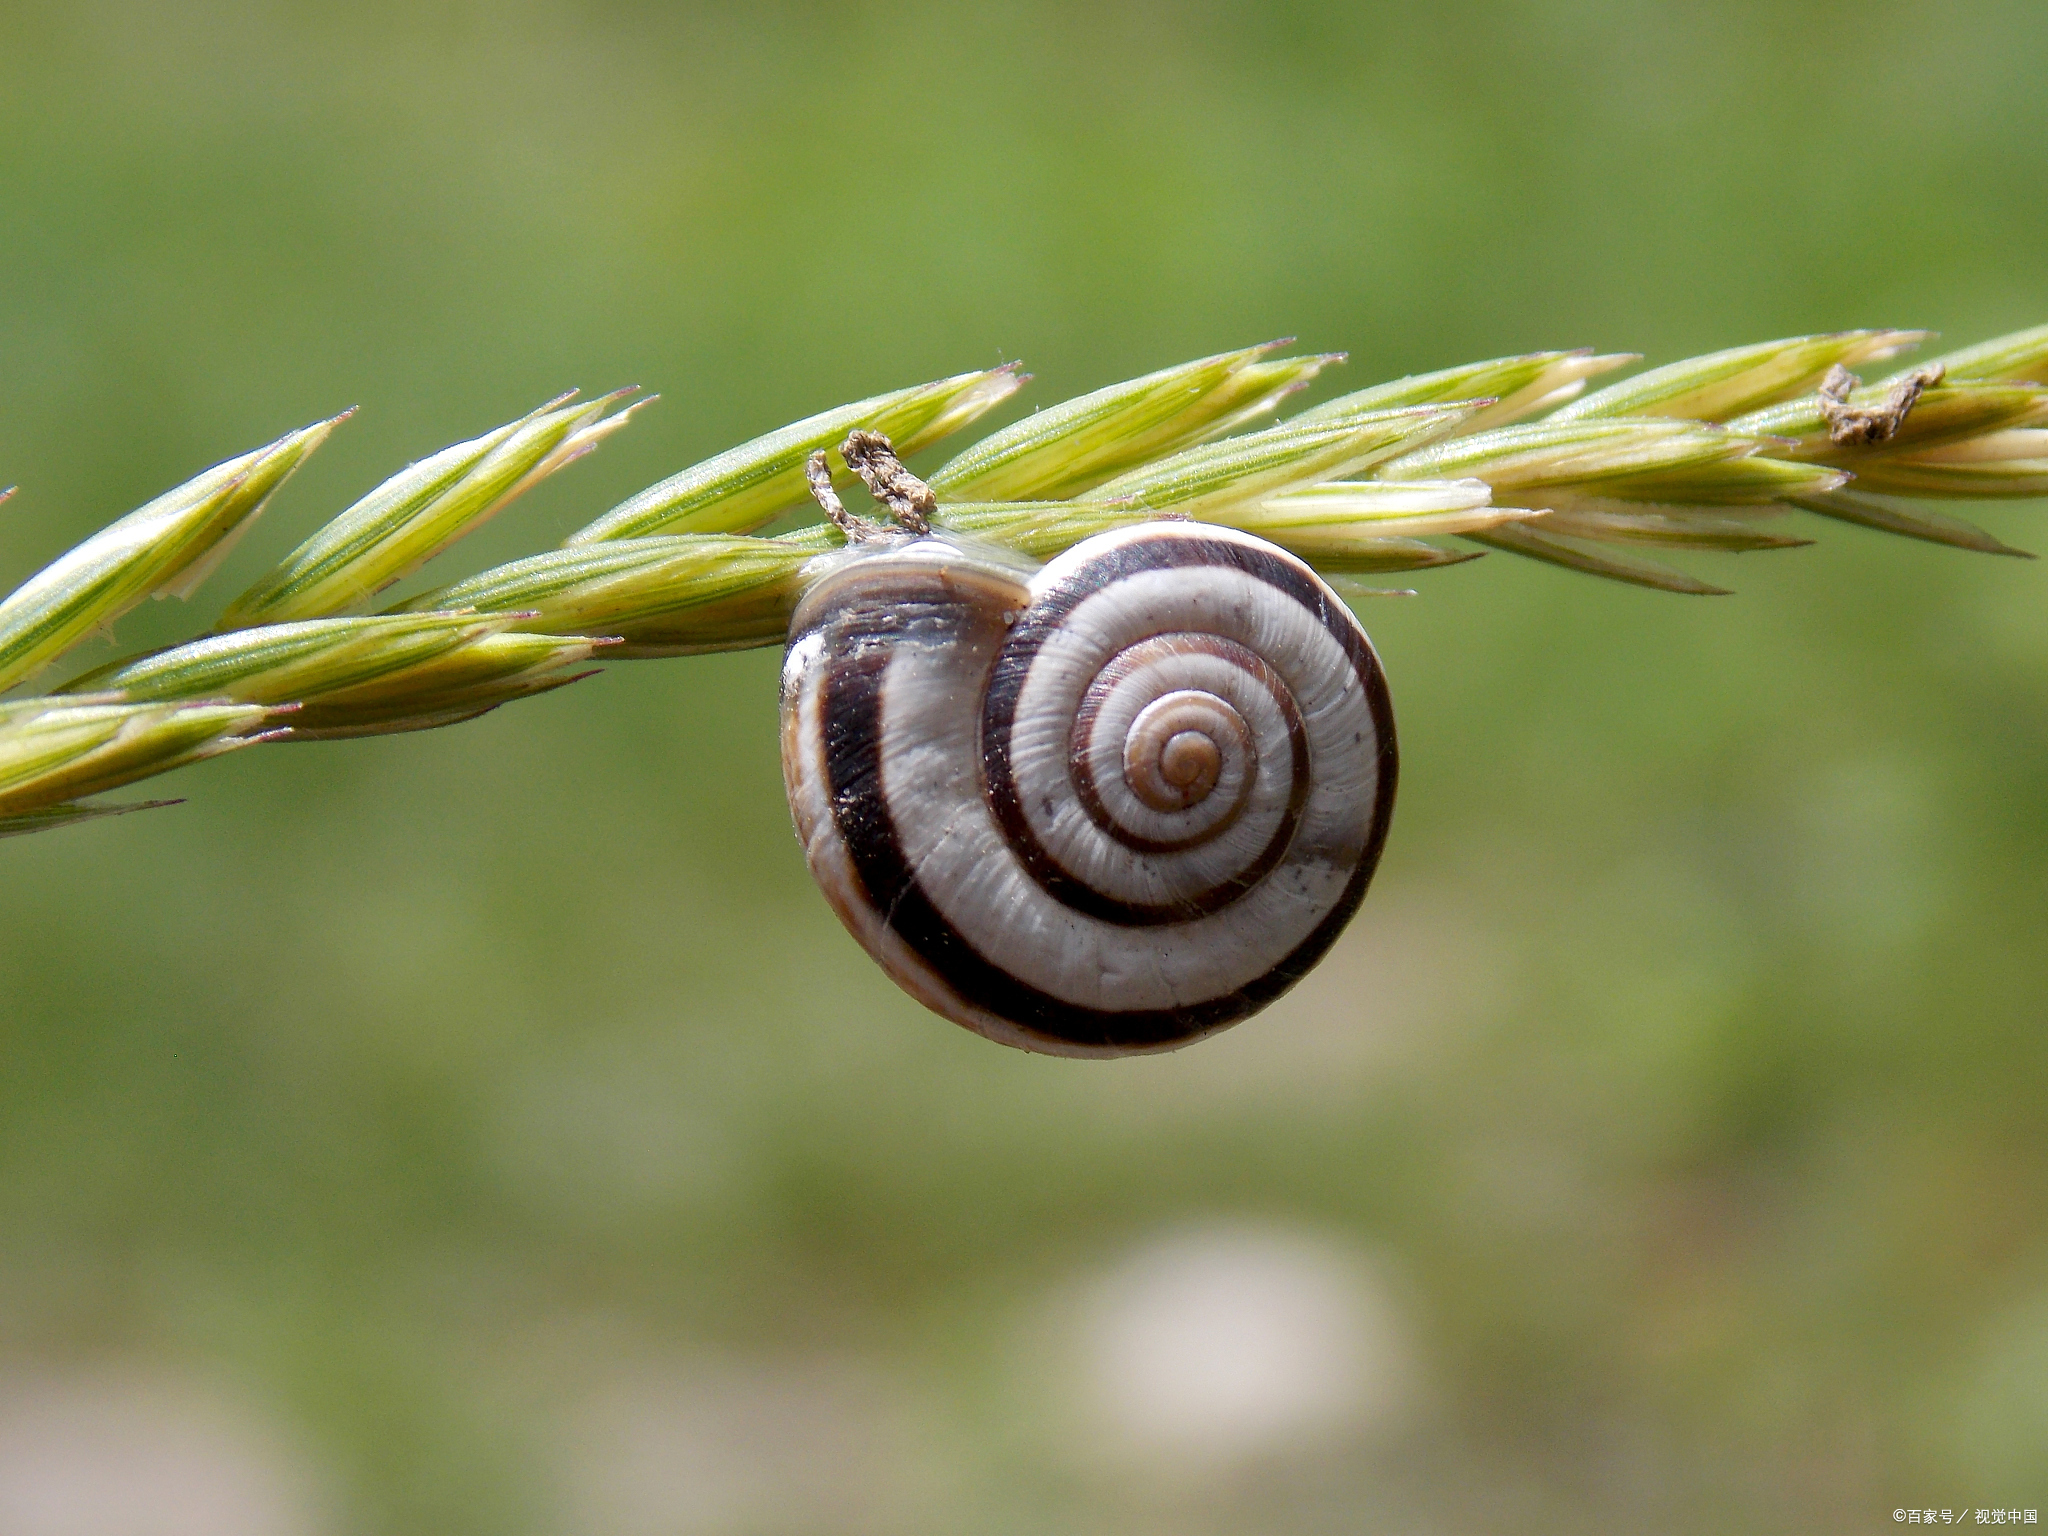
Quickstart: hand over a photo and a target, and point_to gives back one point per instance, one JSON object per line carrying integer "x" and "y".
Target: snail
{"x": 1105, "y": 806}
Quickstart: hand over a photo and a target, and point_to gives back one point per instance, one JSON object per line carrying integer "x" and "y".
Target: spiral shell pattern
{"x": 1106, "y": 807}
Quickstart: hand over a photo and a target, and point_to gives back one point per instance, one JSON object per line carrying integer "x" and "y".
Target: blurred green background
{"x": 492, "y": 1132}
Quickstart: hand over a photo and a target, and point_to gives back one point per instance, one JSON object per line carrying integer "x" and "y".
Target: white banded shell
{"x": 1106, "y": 807}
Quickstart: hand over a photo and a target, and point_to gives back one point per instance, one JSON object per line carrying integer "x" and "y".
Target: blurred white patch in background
{"x": 707, "y": 1447}
{"x": 106, "y": 1453}
{"x": 1224, "y": 1344}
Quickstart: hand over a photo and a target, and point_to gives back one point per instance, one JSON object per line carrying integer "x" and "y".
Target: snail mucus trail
{"x": 1103, "y": 806}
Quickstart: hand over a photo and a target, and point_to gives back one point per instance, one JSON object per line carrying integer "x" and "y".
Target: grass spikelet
{"x": 456, "y": 683}
{"x": 1238, "y": 470}
{"x": 51, "y": 817}
{"x": 2018, "y": 357}
{"x": 1506, "y": 455}
{"x": 1069, "y": 449}
{"x": 667, "y": 595}
{"x": 1646, "y": 459}
{"x": 1889, "y": 514}
{"x": 285, "y": 663}
{"x": 56, "y": 750}
{"x": 1725, "y": 384}
{"x": 1510, "y": 388}
{"x": 164, "y": 547}
{"x": 750, "y": 486}
{"x": 419, "y": 512}
{"x": 1580, "y": 555}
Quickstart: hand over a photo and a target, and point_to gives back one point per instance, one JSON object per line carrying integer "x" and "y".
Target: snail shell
{"x": 1104, "y": 807}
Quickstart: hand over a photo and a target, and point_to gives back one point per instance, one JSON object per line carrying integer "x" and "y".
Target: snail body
{"x": 1106, "y": 806}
